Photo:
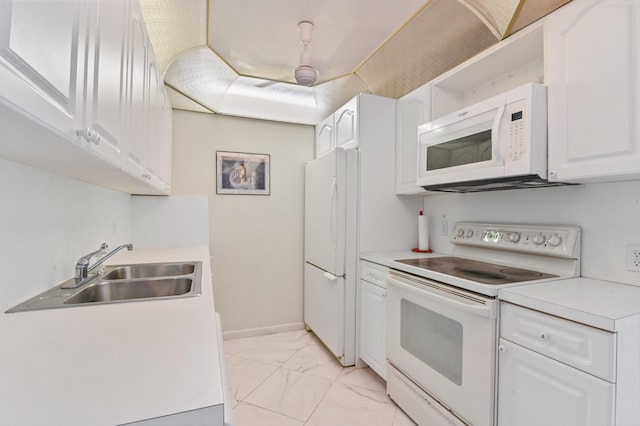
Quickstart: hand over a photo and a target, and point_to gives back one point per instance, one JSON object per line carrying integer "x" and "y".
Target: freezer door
{"x": 324, "y": 307}
{"x": 326, "y": 212}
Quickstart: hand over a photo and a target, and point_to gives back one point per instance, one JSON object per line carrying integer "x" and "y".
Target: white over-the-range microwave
{"x": 499, "y": 143}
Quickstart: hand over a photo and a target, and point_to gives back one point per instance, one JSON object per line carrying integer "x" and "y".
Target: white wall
{"x": 256, "y": 241}
{"x": 46, "y": 223}
{"x": 174, "y": 221}
{"x": 609, "y": 215}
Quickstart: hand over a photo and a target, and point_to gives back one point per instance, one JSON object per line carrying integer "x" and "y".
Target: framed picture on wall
{"x": 242, "y": 173}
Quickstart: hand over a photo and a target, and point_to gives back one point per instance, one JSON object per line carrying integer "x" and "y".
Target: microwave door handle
{"x": 495, "y": 137}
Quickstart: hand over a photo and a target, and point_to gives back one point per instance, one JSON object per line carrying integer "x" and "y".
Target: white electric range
{"x": 442, "y": 315}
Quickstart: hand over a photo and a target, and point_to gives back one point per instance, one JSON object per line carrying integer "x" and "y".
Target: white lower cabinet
{"x": 373, "y": 316}
{"x": 535, "y": 390}
{"x": 551, "y": 371}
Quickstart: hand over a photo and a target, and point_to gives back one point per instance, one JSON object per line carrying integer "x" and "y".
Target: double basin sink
{"x": 124, "y": 283}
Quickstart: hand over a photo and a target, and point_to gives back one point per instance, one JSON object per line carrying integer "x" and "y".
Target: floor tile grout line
{"x": 274, "y": 411}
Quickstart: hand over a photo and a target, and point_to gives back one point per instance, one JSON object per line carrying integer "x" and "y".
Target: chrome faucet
{"x": 82, "y": 266}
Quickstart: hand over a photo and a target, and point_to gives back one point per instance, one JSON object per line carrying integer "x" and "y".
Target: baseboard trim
{"x": 250, "y": 332}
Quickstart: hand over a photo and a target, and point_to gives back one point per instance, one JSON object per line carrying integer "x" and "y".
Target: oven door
{"x": 444, "y": 340}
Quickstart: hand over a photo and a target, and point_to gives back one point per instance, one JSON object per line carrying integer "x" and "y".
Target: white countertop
{"x": 602, "y": 304}
{"x": 113, "y": 363}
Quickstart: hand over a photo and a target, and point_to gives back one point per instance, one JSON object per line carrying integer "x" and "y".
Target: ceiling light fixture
{"x": 305, "y": 74}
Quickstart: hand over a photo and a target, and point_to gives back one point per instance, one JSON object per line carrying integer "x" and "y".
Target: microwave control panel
{"x": 515, "y": 115}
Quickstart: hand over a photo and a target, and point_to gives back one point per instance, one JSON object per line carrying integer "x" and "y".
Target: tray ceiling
{"x": 238, "y": 57}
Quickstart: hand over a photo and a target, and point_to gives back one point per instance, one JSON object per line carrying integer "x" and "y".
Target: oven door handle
{"x": 475, "y": 305}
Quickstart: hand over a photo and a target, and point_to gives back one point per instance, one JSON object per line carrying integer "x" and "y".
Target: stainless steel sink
{"x": 111, "y": 291}
{"x": 149, "y": 270}
{"x": 124, "y": 283}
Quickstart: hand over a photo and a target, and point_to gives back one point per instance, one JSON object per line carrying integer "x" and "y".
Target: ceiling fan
{"x": 305, "y": 74}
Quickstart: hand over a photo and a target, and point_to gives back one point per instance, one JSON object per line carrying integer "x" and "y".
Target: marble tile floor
{"x": 291, "y": 379}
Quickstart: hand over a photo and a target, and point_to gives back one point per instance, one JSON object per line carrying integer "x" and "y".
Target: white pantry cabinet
{"x": 373, "y": 316}
{"x": 592, "y": 59}
{"x": 76, "y": 95}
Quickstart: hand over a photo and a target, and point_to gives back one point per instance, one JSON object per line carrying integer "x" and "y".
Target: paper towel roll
{"x": 423, "y": 232}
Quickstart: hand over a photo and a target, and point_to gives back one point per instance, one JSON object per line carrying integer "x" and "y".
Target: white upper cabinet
{"x": 412, "y": 110}
{"x": 325, "y": 141}
{"x": 340, "y": 129}
{"x": 346, "y": 125}
{"x": 40, "y": 75}
{"x": 592, "y": 60}
{"x": 106, "y": 75}
{"x": 81, "y": 74}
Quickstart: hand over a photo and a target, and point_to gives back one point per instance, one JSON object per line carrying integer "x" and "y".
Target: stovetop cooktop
{"x": 474, "y": 270}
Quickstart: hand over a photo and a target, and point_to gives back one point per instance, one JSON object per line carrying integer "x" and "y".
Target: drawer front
{"x": 580, "y": 346}
{"x": 374, "y": 273}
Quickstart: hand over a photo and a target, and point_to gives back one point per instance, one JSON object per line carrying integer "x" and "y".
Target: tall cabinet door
{"x": 534, "y": 390}
{"x": 592, "y": 58}
{"x": 42, "y": 76}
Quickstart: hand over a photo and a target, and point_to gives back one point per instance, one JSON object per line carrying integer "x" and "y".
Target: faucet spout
{"x": 82, "y": 265}
{"x": 108, "y": 255}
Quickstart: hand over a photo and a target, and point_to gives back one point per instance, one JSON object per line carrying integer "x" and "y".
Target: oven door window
{"x": 434, "y": 339}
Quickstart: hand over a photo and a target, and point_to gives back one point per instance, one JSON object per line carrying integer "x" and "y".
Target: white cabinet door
{"x": 409, "y": 117}
{"x": 325, "y": 141}
{"x": 105, "y": 110}
{"x": 39, "y": 75}
{"x": 137, "y": 100}
{"x": 373, "y": 327}
{"x": 592, "y": 57}
{"x": 346, "y": 125}
{"x": 534, "y": 390}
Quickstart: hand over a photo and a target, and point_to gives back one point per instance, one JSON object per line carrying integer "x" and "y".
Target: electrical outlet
{"x": 633, "y": 258}
{"x": 444, "y": 228}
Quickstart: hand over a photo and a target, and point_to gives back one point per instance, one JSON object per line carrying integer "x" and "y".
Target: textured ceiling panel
{"x": 442, "y": 36}
{"x": 260, "y": 38}
{"x": 532, "y": 10}
{"x": 333, "y": 94}
{"x": 202, "y": 75}
{"x": 497, "y": 14}
{"x": 174, "y": 26}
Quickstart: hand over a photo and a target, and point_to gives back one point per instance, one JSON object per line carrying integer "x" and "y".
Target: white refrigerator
{"x": 331, "y": 187}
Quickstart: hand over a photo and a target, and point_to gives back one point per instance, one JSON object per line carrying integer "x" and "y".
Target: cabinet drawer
{"x": 585, "y": 348}
{"x": 374, "y": 273}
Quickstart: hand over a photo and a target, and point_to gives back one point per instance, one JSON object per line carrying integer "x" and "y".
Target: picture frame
{"x": 241, "y": 173}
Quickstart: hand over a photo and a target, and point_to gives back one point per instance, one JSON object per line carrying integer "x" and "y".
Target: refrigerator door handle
{"x": 333, "y": 213}
{"x": 330, "y": 276}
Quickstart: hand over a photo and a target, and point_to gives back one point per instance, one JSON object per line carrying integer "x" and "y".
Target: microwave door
{"x": 463, "y": 150}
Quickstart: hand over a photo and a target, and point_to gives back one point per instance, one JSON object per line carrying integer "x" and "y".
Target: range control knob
{"x": 460, "y": 233}
{"x": 469, "y": 233}
{"x": 555, "y": 240}
{"x": 514, "y": 237}
{"x": 539, "y": 239}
